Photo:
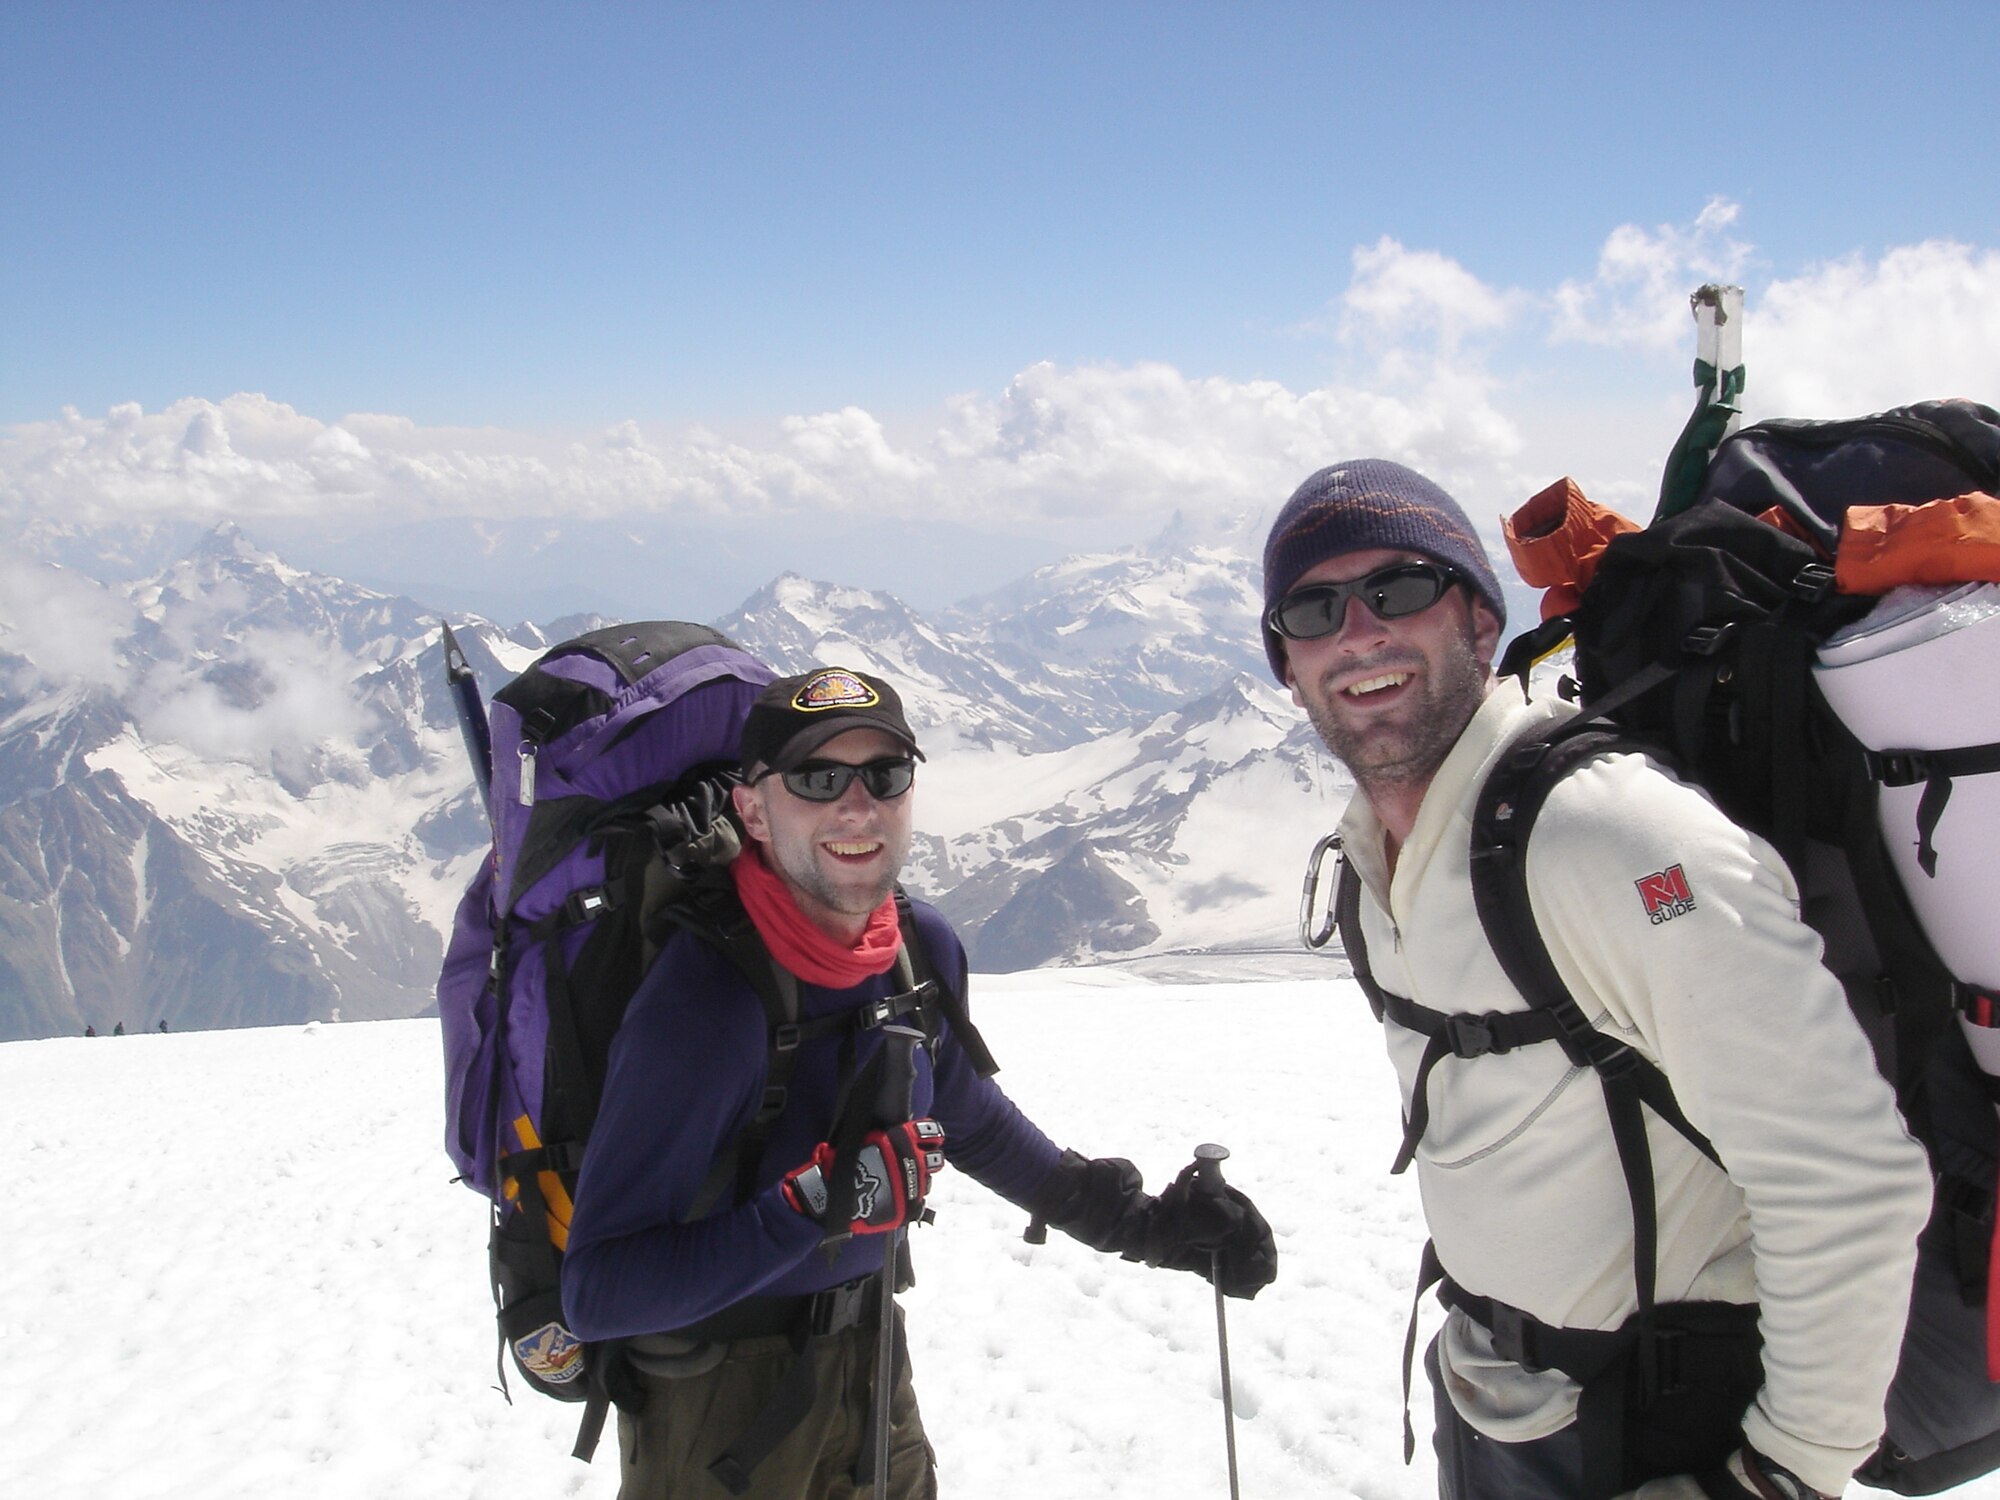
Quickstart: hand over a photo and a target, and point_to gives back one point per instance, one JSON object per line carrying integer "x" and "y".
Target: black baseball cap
{"x": 794, "y": 716}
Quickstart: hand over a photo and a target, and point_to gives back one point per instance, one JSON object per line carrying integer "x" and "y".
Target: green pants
{"x": 687, "y": 1423}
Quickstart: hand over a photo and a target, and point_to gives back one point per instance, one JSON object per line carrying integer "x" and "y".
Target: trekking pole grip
{"x": 1208, "y": 1160}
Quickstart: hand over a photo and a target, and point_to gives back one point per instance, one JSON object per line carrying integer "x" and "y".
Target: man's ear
{"x": 1485, "y": 633}
{"x": 1292, "y": 681}
{"x": 749, "y": 802}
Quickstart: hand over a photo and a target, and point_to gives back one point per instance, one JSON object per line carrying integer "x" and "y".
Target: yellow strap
{"x": 553, "y": 1192}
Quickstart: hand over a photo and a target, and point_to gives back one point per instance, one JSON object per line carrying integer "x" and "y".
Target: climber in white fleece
{"x": 1383, "y": 616}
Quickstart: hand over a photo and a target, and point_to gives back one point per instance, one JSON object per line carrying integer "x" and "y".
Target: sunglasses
{"x": 1391, "y": 593}
{"x": 828, "y": 780}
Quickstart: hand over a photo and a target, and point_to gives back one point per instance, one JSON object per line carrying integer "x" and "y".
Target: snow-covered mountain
{"x": 233, "y": 792}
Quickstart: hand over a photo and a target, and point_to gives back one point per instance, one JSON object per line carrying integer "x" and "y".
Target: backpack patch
{"x": 551, "y": 1353}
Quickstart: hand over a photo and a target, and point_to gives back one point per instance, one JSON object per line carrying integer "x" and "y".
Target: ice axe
{"x": 472, "y": 726}
{"x": 1208, "y": 1159}
{"x": 894, "y": 1102}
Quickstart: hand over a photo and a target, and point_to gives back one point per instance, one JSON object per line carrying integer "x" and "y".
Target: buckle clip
{"x": 1813, "y": 582}
{"x": 590, "y": 903}
{"x": 1514, "y": 1337}
{"x": 1902, "y": 767}
{"x": 1662, "y": 1366}
{"x": 839, "y": 1307}
{"x": 1474, "y": 1036}
{"x": 1980, "y": 1007}
{"x": 1706, "y": 640}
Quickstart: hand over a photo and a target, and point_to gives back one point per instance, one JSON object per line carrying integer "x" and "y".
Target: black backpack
{"x": 1694, "y": 644}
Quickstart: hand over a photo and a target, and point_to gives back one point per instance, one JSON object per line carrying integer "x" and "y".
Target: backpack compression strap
{"x": 1935, "y": 769}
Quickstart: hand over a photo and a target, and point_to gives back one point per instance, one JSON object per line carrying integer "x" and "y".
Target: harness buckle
{"x": 588, "y": 904}
{"x": 1706, "y": 640}
{"x": 1514, "y": 1337}
{"x": 1979, "y": 1006}
{"x": 1474, "y": 1036}
{"x": 1662, "y": 1367}
{"x": 1813, "y": 582}
{"x": 1901, "y": 767}
{"x": 839, "y": 1307}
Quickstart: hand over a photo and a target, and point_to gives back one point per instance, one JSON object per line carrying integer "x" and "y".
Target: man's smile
{"x": 852, "y": 848}
{"x": 1381, "y": 682}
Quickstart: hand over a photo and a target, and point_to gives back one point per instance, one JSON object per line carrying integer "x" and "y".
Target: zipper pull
{"x": 534, "y": 732}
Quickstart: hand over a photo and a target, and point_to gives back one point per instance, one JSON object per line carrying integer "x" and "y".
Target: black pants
{"x": 1472, "y": 1466}
{"x": 1690, "y": 1428}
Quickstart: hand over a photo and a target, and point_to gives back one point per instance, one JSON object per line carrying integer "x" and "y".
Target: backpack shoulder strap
{"x": 716, "y": 917}
{"x": 1347, "y": 917}
{"x": 1509, "y": 802}
{"x": 918, "y": 971}
{"x": 1508, "y": 805}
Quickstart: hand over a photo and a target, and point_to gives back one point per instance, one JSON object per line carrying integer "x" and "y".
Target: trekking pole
{"x": 472, "y": 725}
{"x": 1208, "y": 1159}
{"x": 894, "y": 1101}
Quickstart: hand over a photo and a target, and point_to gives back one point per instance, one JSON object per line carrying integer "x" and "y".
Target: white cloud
{"x": 1469, "y": 380}
{"x": 1639, "y": 293}
{"x": 63, "y": 623}
{"x": 1853, "y": 336}
{"x": 1398, "y": 293}
{"x": 272, "y": 693}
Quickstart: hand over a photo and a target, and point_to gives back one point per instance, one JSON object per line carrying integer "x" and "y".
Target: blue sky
{"x": 992, "y": 264}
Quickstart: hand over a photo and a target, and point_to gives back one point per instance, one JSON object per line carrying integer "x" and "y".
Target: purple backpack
{"x": 612, "y": 760}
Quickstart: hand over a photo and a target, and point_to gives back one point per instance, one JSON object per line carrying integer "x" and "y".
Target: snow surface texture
{"x": 246, "y": 1271}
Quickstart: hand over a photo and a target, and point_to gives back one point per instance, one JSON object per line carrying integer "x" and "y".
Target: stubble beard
{"x": 1410, "y": 747}
{"x": 798, "y": 860}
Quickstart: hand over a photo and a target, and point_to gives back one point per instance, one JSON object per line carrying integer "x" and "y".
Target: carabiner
{"x": 1317, "y": 932}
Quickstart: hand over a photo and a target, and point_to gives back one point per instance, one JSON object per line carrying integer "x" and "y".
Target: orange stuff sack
{"x": 1556, "y": 539}
{"x": 1941, "y": 541}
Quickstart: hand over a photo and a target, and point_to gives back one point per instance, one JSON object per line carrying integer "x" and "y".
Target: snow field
{"x": 245, "y": 1271}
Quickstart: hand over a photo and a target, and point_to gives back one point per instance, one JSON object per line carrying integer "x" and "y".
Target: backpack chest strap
{"x": 1460, "y": 1035}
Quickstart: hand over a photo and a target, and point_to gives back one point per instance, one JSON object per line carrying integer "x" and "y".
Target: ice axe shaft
{"x": 894, "y": 1102}
{"x": 472, "y": 725}
{"x": 1208, "y": 1159}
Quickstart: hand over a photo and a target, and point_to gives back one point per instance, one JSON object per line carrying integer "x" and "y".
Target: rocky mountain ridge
{"x": 246, "y": 801}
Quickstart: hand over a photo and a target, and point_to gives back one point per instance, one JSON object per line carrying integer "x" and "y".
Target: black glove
{"x": 1103, "y": 1203}
{"x": 1197, "y": 1225}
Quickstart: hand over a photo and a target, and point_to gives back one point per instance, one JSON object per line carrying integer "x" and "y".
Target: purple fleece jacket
{"x": 686, "y": 1073}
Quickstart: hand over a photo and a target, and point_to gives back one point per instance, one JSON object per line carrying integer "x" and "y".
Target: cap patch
{"x": 834, "y": 688}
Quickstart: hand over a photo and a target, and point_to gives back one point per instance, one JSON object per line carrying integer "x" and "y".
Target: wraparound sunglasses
{"x": 1391, "y": 593}
{"x": 828, "y": 780}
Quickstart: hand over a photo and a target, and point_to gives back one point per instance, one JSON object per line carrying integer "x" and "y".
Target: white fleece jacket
{"x": 1817, "y": 1217}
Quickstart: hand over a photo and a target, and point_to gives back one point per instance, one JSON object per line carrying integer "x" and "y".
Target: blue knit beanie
{"x": 1369, "y": 503}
